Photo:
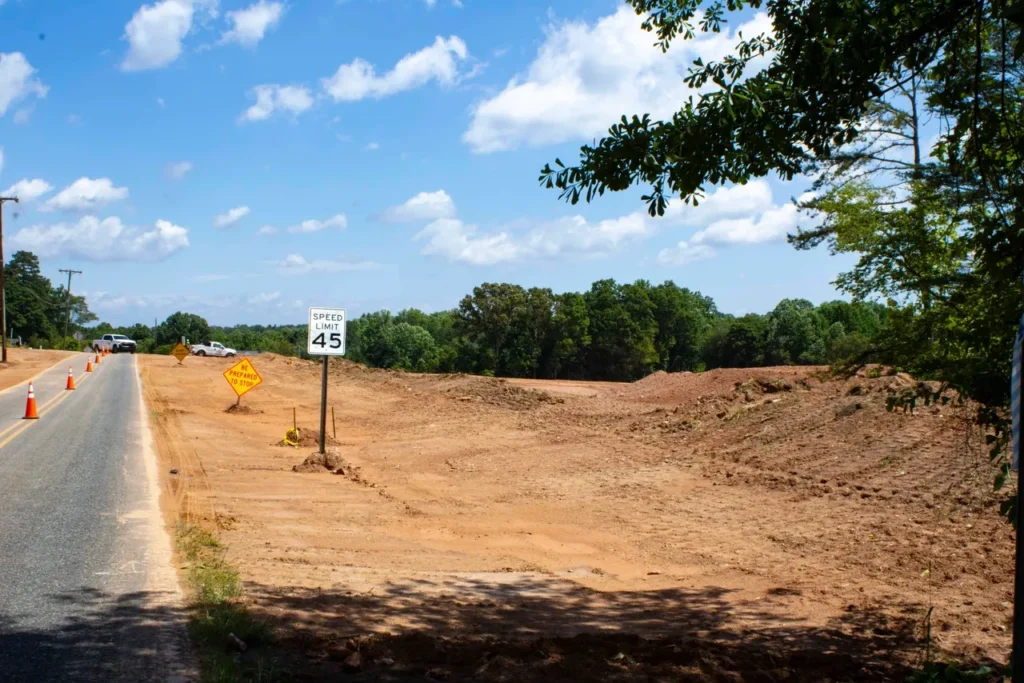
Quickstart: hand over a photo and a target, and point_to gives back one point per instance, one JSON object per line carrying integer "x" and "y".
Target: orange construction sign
{"x": 179, "y": 351}
{"x": 242, "y": 376}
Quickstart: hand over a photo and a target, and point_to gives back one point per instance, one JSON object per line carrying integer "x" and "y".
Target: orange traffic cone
{"x": 30, "y": 406}
{"x": 71, "y": 380}
{"x": 88, "y": 365}
{"x": 97, "y": 359}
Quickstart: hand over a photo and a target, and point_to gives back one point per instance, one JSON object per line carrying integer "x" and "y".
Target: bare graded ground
{"x": 768, "y": 524}
{"x": 24, "y": 363}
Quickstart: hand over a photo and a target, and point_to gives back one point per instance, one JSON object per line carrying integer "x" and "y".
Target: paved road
{"x": 87, "y": 592}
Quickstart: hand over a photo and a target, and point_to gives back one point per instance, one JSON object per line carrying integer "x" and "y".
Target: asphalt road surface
{"x": 87, "y": 591}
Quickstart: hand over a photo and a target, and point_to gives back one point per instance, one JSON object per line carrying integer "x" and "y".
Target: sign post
{"x": 1016, "y": 436}
{"x": 325, "y": 337}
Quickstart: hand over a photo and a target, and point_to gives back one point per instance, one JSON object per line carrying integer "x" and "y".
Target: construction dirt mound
{"x": 242, "y": 409}
{"x": 330, "y": 461}
{"x": 689, "y": 387}
{"x": 495, "y": 392}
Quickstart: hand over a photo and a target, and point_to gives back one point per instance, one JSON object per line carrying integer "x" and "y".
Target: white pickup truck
{"x": 115, "y": 343}
{"x": 212, "y": 349}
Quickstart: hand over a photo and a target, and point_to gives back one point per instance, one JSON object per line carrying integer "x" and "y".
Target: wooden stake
{"x": 334, "y": 424}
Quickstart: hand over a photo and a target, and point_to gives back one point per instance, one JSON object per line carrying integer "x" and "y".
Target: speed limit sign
{"x": 326, "y": 332}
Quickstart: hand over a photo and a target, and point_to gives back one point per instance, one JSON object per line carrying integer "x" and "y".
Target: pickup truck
{"x": 212, "y": 349}
{"x": 115, "y": 343}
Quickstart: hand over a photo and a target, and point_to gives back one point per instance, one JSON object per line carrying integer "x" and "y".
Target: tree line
{"x": 613, "y": 331}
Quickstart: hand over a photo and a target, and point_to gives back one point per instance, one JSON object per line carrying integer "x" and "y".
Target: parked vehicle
{"x": 212, "y": 348}
{"x": 115, "y": 343}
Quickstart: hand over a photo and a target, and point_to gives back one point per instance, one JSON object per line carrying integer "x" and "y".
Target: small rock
{"x": 354, "y": 662}
{"x": 386, "y": 661}
{"x": 438, "y": 674}
{"x": 237, "y": 642}
{"x": 174, "y": 471}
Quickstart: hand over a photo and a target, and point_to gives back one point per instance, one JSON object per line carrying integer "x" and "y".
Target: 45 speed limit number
{"x": 326, "y": 332}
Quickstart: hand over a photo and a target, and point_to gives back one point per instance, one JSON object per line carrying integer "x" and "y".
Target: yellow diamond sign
{"x": 179, "y": 352}
{"x": 242, "y": 376}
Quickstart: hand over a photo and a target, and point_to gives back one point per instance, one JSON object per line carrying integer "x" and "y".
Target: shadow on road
{"x": 88, "y": 635}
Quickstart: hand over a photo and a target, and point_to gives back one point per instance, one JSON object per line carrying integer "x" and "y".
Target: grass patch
{"x": 216, "y": 613}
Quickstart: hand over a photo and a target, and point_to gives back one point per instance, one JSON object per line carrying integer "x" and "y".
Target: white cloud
{"x": 451, "y": 238}
{"x": 264, "y": 298}
{"x": 425, "y": 206}
{"x": 738, "y": 215}
{"x": 684, "y": 253}
{"x": 231, "y": 217}
{"x": 296, "y": 264}
{"x": 160, "y": 101}
{"x": 267, "y": 230}
{"x": 149, "y": 303}
{"x": 727, "y": 216}
{"x": 17, "y": 80}
{"x": 724, "y": 202}
{"x": 772, "y": 225}
{"x": 358, "y": 79}
{"x": 313, "y": 225}
{"x": 213, "y": 277}
{"x": 155, "y": 32}
{"x": 22, "y": 116}
{"x": 178, "y": 170}
{"x": 293, "y": 99}
{"x": 372, "y": 147}
{"x": 586, "y": 76}
{"x": 103, "y": 240}
{"x": 28, "y": 190}
{"x": 457, "y": 241}
{"x": 249, "y": 25}
{"x": 85, "y": 194}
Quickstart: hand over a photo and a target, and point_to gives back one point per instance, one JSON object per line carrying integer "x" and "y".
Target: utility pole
{"x": 3, "y": 289}
{"x": 67, "y": 319}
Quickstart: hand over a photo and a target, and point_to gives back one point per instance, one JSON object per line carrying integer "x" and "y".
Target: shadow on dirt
{"x": 517, "y": 629}
{"x": 532, "y": 629}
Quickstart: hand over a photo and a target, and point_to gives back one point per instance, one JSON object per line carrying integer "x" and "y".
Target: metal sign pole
{"x": 323, "y": 409}
{"x": 1016, "y": 438}
{"x": 1018, "y": 567}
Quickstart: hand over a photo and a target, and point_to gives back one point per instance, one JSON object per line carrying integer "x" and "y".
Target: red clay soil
{"x": 738, "y": 525}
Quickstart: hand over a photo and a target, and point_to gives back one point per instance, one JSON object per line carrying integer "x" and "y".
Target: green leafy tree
{"x": 178, "y": 325}
{"x": 736, "y": 342}
{"x": 409, "y": 347}
{"x": 28, "y": 297}
{"x": 488, "y": 317}
{"x": 683, "y": 321}
{"x": 571, "y": 325}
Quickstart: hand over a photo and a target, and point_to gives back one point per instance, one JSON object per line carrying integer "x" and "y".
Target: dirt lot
{"x": 767, "y": 524}
{"x": 23, "y": 364}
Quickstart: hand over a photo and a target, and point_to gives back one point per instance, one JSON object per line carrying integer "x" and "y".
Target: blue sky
{"x": 245, "y": 160}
